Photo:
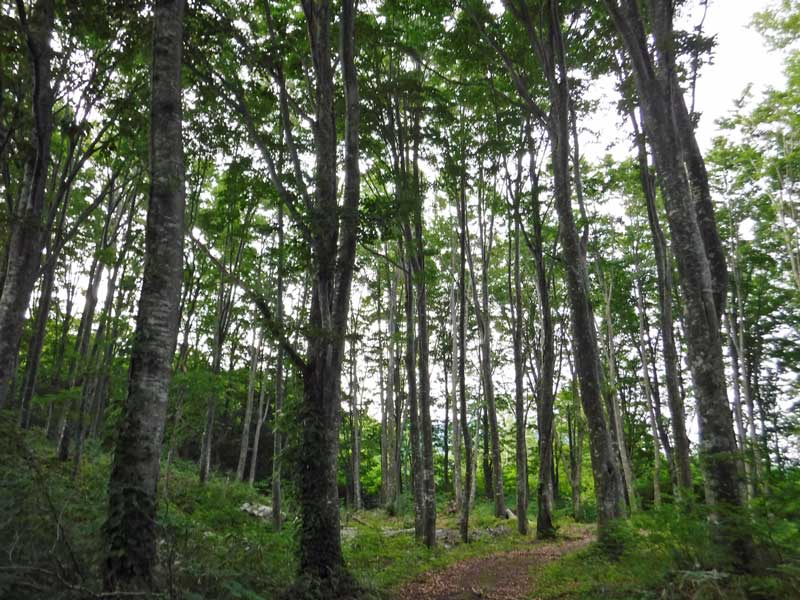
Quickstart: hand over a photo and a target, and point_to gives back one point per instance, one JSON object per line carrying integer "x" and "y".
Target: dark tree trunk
{"x": 413, "y": 407}
{"x": 333, "y": 244}
{"x": 130, "y": 530}
{"x": 35, "y": 347}
{"x": 544, "y": 397}
{"x": 23, "y": 254}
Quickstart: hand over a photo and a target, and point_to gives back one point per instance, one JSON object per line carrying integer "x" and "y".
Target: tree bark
{"x": 697, "y": 262}
{"x": 671, "y": 361}
{"x": 413, "y": 406}
{"x": 130, "y": 529}
{"x": 23, "y": 253}
{"x": 469, "y": 463}
{"x": 244, "y": 444}
{"x": 277, "y": 434}
{"x": 333, "y": 244}
{"x": 454, "y": 358}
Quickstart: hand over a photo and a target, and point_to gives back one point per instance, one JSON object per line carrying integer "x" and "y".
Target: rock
{"x": 262, "y": 511}
{"x": 510, "y": 514}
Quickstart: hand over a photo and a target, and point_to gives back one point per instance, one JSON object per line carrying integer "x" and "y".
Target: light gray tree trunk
{"x": 130, "y": 529}
{"x": 693, "y": 230}
{"x": 244, "y": 444}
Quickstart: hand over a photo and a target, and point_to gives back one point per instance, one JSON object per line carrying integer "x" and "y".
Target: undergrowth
{"x": 51, "y": 545}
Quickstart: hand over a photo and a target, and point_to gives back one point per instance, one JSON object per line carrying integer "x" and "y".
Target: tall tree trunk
{"x": 23, "y": 253}
{"x": 575, "y": 432}
{"x": 413, "y": 406}
{"x": 262, "y": 413}
{"x": 648, "y": 390}
{"x": 277, "y": 434}
{"x": 66, "y": 426}
{"x": 244, "y": 444}
{"x": 698, "y": 261}
{"x": 548, "y": 45}
{"x": 384, "y": 403}
{"x": 355, "y": 426}
{"x": 130, "y": 529}
{"x": 612, "y": 398}
{"x": 454, "y": 358}
{"x": 545, "y": 395}
{"x": 35, "y": 347}
{"x": 493, "y": 469}
{"x": 737, "y": 402}
{"x": 469, "y": 476}
{"x": 671, "y": 361}
{"x": 521, "y": 454}
{"x": 333, "y": 243}
{"x": 428, "y": 478}
{"x": 392, "y": 399}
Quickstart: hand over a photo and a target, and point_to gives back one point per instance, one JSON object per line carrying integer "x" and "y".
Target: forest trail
{"x": 501, "y": 576}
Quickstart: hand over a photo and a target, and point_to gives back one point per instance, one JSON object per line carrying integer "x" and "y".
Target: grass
{"x": 209, "y": 548}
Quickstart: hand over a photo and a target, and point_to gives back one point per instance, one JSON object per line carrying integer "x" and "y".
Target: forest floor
{"x": 501, "y": 576}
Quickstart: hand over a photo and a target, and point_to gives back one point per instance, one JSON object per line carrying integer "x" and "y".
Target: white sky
{"x": 740, "y": 58}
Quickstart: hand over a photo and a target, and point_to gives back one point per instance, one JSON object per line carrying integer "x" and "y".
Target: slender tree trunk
{"x": 493, "y": 469}
{"x": 277, "y": 434}
{"x": 469, "y": 463}
{"x": 263, "y": 410}
{"x": 383, "y": 397}
{"x": 521, "y": 453}
{"x": 544, "y": 396}
{"x": 744, "y": 369}
{"x": 671, "y": 360}
{"x": 244, "y": 444}
{"x": 458, "y": 489}
{"x": 393, "y": 423}
{"x": 648, "y": 392}
{"x": 428, "y": 478}
{"x": 355, "y": 430}
{"x": 612, "y": 399}
{"x": 130, "y": 529}
{"x": 549, "y": 49}
{"x": 35, "y": 347}
{"x": 23, "y": 253}
{"x": 737, "y": 404}
{"x": 413, "y": 407}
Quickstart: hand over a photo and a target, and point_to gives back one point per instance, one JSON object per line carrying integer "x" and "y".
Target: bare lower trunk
{"x": 263, "y": 409}
{"x": 521, "y": 453}
{"x": 130, "y": 530}
{"x": 671, "y": 361}
{"x": 277, "y": 433}
{"x": 393, "y": 424}
{"x": 35, "y": 348}
{"x": 413, "y": 407}
{"x": 456, "y": 443}
{"x": 469, "y": 462}
{"x": 612, "y": 401}
{"x": 244, "y": 444}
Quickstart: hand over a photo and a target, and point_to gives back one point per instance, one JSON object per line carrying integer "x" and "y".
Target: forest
{"x": 396, "y": 299}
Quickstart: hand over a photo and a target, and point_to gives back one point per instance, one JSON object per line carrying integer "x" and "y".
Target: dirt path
{"x": 504, "y": 576}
